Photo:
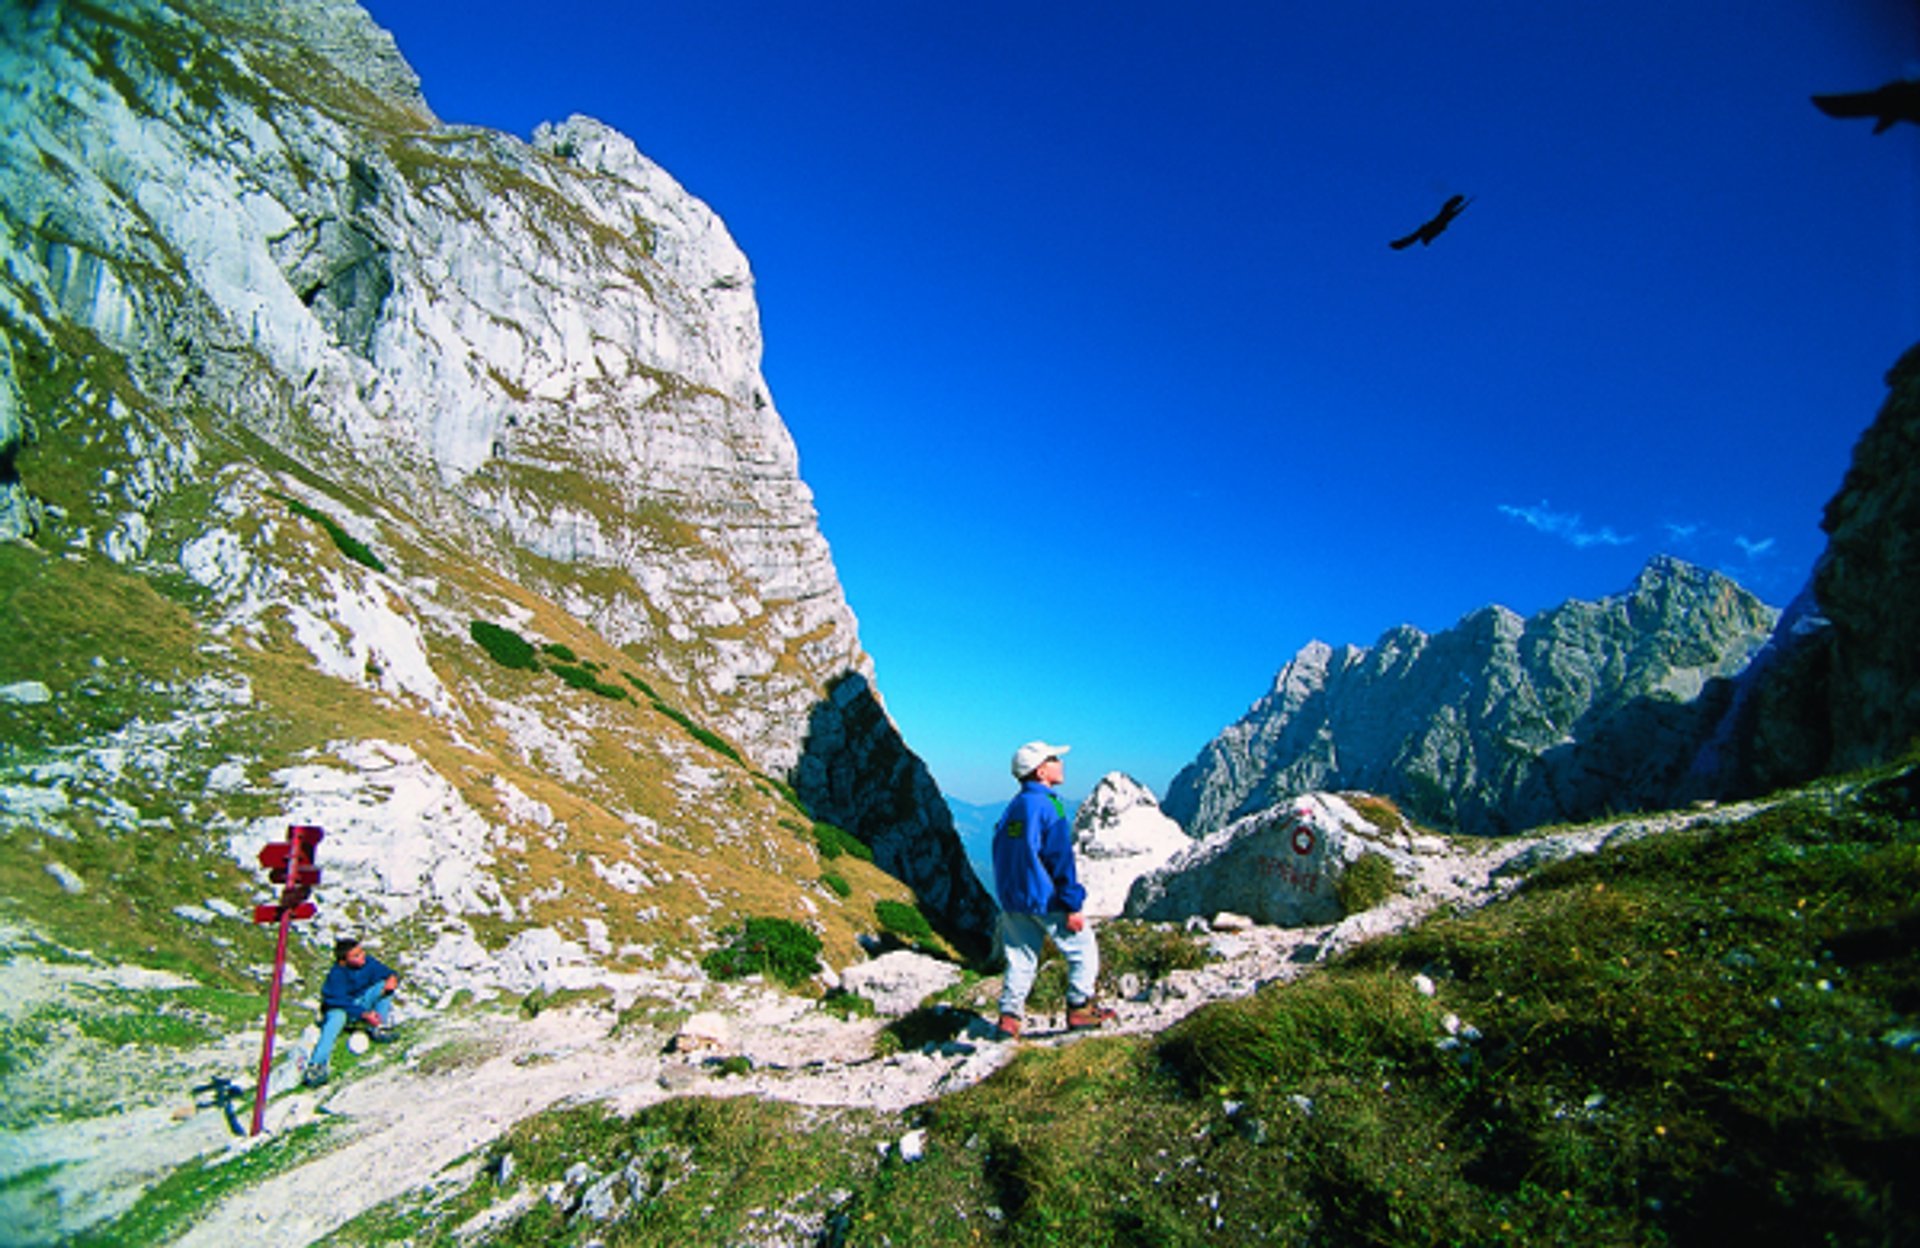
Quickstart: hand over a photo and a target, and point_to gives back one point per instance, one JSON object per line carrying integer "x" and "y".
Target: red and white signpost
{"x": 290, "y": 864}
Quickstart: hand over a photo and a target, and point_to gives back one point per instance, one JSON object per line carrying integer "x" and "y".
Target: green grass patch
{"x": 349, "y": 545}
{"x": 932, "y": 1024}
{"x": 833, "y": 841}
{"x": 848, "y": 1005}
{"x": 712, "y": 740}
{"x": 837, "y": 883}
{"x": 581, "y": 677}
{"x": 1367, "y": 881}
{"x": 504, "y": 646}
{"x": 777, "y": 948}
{"x": 1376, "y": 810}
{"x": 903, "y": 919}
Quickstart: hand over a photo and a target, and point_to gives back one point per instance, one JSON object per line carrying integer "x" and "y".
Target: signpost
{"x": 290, "y": 864}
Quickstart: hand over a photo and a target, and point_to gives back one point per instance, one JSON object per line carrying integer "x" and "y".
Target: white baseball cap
{"x": 1027, "y": 759}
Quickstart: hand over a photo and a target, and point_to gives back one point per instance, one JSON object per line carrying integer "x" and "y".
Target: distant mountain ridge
{"x": 1500, "y": 722}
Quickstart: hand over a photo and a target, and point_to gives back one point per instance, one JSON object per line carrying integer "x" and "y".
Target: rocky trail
{"x": 463, "y": 1080}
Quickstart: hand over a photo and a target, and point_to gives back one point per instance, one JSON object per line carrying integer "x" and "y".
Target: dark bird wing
{"x": 1897, "y": 101}
{"x": 1431, "y": 230}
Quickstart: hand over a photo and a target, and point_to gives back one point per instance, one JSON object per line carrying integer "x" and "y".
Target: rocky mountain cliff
{"x": 1500, "y": 722}
{"x": 1838, "y": 685}
{"x": 416, "y": 481}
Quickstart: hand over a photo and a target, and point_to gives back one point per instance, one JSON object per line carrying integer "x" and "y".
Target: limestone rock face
{"x": 1119, "y": 835}
{"x": 549, "y": 348}
{"x": 1499, "y": 723}
{"x": 1868, "y": 582}
{"x": 1278, "y": 866}
{"x": 323, "y": 382}
{"x": 1837, "y": 687}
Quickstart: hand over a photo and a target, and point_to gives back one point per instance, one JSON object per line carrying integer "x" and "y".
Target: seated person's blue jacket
{"x": 1033, "y": 870}
{"x": 345, "y": 984}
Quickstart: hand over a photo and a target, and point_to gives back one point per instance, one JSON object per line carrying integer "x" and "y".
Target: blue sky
{"x": 1109, "y": 389}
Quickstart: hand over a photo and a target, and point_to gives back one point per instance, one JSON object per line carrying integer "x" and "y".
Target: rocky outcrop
{"x": 1868, "y": 582}
{"x": 1119, "y": 835}
{"x": 1501, "y": 722}
{"x": 1281, "y": 866}
{"x": 857, "y": 773}
{"x": 1838, "y": 685}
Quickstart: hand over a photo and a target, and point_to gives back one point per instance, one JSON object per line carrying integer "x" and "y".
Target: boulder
{"x": 1278, "y": 867}
{"x": 898, "y": 982}
{"x": 706, "y": 1032}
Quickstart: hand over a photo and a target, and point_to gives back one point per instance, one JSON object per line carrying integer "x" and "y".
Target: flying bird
{"x": 1897, "y": 101}
{"x": 1431, "y": 230}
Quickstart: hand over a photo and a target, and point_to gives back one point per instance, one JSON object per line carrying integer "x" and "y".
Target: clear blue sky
{"x": 1109, "y": 389}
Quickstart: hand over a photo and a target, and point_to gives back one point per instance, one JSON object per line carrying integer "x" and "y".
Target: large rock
{"x": 898, "y": 981}
{"x": 1277, "y": 867}
{"x": 1119, "y": 835}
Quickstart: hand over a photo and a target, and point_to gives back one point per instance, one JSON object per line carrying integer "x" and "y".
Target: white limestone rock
{"x": 1119, "y": 835}
{"x": 899, "y": 981}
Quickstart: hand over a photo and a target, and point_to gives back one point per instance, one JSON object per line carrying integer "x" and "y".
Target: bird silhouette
{"x": 1897, "y": 101}
{"x": 1431, "y": 230}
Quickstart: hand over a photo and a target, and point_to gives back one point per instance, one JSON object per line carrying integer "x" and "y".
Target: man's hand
{"x": 1076, "y": 922}
{"x": 393, "y": 982}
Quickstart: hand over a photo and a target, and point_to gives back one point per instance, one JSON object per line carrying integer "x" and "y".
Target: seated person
{"x": 358, "y": 989}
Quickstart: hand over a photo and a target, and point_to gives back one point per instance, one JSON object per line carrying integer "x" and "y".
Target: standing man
{"x": 1040, "y": 892}
{"x": 358, "y": 989}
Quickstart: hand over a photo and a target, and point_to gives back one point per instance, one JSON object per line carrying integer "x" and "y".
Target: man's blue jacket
{"x": 344, "y": 983}
{"x": 1033, "y": 871}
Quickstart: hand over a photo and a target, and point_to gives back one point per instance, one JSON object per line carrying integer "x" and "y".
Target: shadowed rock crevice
{"x": 856, "y": 772}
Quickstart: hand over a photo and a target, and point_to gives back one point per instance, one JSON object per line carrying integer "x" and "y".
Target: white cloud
{"x": 1681, "y": 533}
{"x": 1567, "y": 526}
{"x": 1753, "y": 549}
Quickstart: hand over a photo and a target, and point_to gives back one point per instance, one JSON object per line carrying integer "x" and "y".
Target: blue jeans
{"x": 1024, "y": 936}
{"x": 334, "y": 1020}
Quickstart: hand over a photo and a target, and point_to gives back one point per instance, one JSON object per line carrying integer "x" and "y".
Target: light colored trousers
{"x": 335, "y": 1020}
{"x": 1024, "y": 936}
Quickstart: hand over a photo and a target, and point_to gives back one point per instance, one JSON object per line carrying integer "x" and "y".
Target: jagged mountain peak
{"x": 1474, "y": 727}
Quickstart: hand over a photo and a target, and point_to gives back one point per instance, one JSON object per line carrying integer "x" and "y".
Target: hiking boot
{"x": 1008, "y": 1028}
{"x": 314, "y": 1076}
{"x": 381, "y": 1035}
{"x": 1089, "y": 1016}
